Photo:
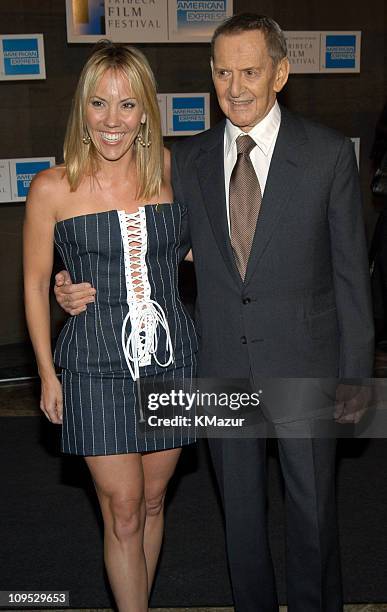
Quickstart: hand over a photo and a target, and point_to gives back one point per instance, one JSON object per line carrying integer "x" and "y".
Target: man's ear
{"x": 212, "y": 70}
{"x": 282, "y": 74}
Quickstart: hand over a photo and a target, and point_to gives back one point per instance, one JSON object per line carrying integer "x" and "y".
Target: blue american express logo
{"x": 340, "y": 51}
{"x": 21, "y": 56}
{"x": 188, "y": 114}
{"x": 189, "y": 11}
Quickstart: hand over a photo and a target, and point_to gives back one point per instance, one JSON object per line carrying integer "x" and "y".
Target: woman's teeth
{"x": 108, "y": 137}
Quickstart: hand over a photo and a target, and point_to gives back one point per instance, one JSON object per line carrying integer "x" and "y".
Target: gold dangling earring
{"x": 86, "y": 137}
{"x": 141, "y": 140}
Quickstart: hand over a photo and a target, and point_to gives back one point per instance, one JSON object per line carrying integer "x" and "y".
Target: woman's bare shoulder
{"x": 47, "y": 190}
{"x": 52, "y": 181}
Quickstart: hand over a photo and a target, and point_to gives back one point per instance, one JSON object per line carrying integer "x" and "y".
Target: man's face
{"x": 245, "y": 79}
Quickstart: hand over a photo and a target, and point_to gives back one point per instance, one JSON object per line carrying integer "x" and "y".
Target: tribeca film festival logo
{"x": 89, "y": 16}
{"x": 188, "y": 114}
{"x": 204, "y": 409}
{"x": 200, "y": 11}
{"x": 146, "y": 14}
{"x": 25, "y": 172}
{"x": 340, "y": 51}
{"x": 21, "y": 56}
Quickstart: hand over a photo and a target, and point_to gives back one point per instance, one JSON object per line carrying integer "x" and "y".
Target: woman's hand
{"x": 51, "y": 400}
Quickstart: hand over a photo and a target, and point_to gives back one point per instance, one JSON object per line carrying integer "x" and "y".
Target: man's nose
{"x": 236, "y": 86}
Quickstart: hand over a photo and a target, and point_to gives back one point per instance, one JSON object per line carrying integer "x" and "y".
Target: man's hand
{"x": 73, "y": 298}
{"x": 352, "y": 402}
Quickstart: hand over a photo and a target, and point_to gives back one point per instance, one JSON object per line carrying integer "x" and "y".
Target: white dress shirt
{"x": 265, "y": 135}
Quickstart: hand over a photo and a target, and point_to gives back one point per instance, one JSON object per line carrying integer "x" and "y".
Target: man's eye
{"x": 251, "y": 73}
{"x": 222, "y": 73}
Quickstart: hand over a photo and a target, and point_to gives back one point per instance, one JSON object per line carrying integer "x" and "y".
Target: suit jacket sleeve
{"x": 176, "y": 181}
{"x": 350, "y": 268}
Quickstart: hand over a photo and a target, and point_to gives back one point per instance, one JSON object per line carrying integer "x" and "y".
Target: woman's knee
{"x": 127, "y": 517}
{"x": 154, "y": 503}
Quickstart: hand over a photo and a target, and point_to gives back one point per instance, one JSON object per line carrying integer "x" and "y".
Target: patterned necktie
{"x": 245, "y": 201}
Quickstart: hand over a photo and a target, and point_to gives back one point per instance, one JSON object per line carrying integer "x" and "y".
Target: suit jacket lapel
{"x": 210, "y": 172}
{"x": 286, "y": 169}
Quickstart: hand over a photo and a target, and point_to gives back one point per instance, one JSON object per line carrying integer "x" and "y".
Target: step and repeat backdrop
{"x": 339, "y": 78}
{"x": 157, "y": 21}
{"x": 22, "y": 57}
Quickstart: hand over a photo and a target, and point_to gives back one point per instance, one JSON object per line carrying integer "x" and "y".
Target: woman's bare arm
{"x": 38, "y": 237}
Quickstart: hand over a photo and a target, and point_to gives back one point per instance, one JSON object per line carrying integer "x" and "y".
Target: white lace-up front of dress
{"x": 146, "y": 317}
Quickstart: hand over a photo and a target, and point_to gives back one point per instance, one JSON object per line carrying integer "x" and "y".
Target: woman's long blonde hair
{"x": 82, "y": 159}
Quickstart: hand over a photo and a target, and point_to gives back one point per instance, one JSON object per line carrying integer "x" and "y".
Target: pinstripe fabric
{"x": 92, "y": 251}
{"x": 101, "y": 411}
{"x": 101, "y": 415}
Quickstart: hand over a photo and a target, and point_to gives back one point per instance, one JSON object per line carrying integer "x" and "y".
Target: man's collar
{"x": 263, "y": 133}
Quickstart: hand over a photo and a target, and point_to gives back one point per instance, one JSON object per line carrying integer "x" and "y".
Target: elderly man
{"x": 283, "y": 291}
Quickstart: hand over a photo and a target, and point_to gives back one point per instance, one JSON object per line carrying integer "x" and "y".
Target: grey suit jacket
{"x": 304, "y": 309}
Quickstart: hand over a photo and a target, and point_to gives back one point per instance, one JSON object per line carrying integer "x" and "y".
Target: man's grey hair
{"x": 246, "y": 22}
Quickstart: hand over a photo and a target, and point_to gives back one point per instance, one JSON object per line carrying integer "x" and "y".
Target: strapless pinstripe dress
{"x": 137, "y": 329}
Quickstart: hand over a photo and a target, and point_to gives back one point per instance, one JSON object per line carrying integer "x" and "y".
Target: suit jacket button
{"x": 246, "y": 300}
{"x": 244, "y": 340}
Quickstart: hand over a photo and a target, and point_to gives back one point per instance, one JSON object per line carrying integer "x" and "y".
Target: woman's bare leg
{"x": 158, "y": 468}
{"x": 119, "y": 482}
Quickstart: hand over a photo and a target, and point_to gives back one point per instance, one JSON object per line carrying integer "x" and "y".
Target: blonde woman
{"x": 109, "y": 211}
